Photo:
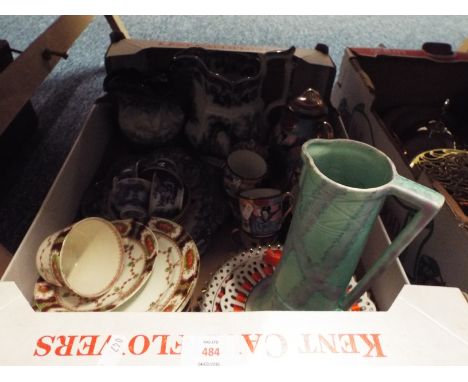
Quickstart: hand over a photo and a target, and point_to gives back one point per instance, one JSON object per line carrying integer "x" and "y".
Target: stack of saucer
{"x": 96, "y": 265}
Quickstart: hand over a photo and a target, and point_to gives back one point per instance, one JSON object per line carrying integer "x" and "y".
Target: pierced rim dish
{"x": 230, "y": 287}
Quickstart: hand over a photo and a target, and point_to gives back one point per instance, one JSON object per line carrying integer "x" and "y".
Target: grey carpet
{"x": 64, "y": 99}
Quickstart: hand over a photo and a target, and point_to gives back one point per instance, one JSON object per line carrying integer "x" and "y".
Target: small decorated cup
{"x": 263, "y": 210}
{"x": 86, "y": 257}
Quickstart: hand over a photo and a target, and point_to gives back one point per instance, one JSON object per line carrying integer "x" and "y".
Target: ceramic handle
{"x": 286, "y": 55}
{"x": 427, "y": 202}
{"x": 325, "y": 130}
{"x": 167, "y": 164}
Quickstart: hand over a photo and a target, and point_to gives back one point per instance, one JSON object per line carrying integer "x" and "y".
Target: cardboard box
{"x": 5, "y": 258}
{"x": 415, "y": 331}
{"x": 372, "y": 83}
{"x": 415, "y": 325}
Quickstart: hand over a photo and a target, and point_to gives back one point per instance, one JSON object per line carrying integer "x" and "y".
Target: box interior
{"x": 396, "y": 91}
{"x": 87, "y": 161}
{"x": 98, "y": 149}
{"x": 410, "y": 91}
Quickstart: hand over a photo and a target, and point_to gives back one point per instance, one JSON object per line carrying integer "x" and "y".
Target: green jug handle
{"x": 427, "y": 202}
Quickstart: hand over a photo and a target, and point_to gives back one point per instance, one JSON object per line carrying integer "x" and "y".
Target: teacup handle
{"x": 427, "y": 202}
{"x": 163, "y": 163}
{"x": 167, "y": 164}
{"x": 290, "y": 197}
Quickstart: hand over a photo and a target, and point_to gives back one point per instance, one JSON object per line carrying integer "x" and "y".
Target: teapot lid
{"x": 309, "y": 103}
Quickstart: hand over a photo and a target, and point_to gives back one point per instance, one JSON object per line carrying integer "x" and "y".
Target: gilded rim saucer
{"x": 175, "y": 275}
{"x": 140, "y": 253}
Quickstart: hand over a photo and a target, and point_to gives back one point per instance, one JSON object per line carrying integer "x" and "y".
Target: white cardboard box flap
{"x": 413, "y": 331}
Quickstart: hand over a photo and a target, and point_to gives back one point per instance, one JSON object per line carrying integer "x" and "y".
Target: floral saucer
{"x": 141, "y": 251}
{"x": 175, "y": 273}
{"x": 231, "y": 285}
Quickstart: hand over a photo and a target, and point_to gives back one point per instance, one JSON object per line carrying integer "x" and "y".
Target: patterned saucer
{"x": 141, "y": 252}
{"x": 205, "y": 209}
{"x": 175, "y": 273}
{"x": 230, "y": 286}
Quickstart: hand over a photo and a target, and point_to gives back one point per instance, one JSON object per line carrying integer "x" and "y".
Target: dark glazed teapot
{"x": 303, "y": 118}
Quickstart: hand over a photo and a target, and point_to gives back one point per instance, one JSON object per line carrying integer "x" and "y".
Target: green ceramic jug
{"x": 343, "y": 185}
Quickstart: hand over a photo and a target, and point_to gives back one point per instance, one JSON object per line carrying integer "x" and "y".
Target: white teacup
{"x": 86, "y": 257}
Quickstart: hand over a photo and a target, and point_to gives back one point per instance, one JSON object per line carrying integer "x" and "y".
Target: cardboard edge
{"x": 128, "y": 47}
{"x": 12, "y": 298}
{"x": 450, "y": 318}
{"x": 452, "y": 203}
{"x": 409, "y": 53}
{"x": 393, "y": 275}
{"x": 31, "y": 240}
{"x": 5, "y": 258}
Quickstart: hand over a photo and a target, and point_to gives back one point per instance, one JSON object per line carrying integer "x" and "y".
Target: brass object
{"x": 448, "y": 169}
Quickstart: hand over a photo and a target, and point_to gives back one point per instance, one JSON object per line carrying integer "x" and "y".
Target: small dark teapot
{"x": 303, "y": 118}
